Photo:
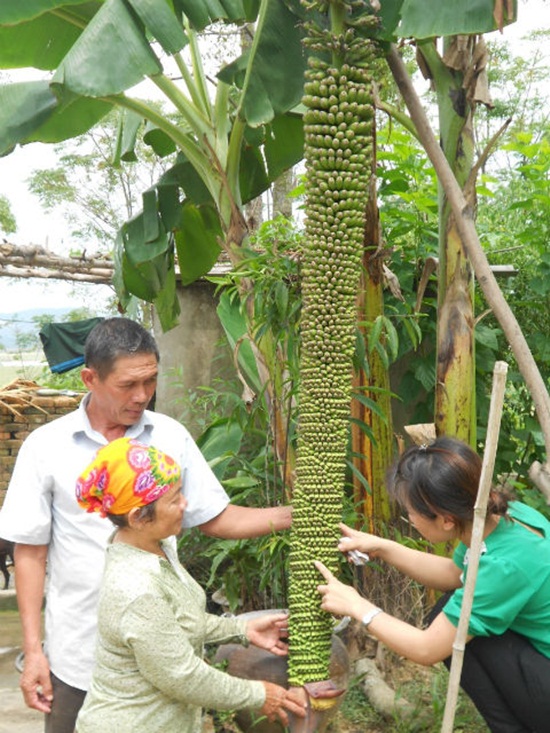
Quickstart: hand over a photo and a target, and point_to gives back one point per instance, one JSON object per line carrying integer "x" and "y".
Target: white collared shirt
{"x": 40, "y": 508}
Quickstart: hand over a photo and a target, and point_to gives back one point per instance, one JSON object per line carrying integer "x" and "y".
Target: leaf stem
{"x": 190, "y": 148}
{"x": 197, "y": 121}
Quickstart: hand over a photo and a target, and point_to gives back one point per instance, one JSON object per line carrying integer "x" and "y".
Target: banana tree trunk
{"x": 372, "y": 455}
{"x": 455, "y": 406}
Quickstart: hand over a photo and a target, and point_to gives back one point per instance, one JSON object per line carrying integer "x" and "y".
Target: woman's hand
{"x": 338, "y": 598}
{"x": 278, "y": 701}
{"x": 352, "y": 539}
{"x": 270, "y": 632}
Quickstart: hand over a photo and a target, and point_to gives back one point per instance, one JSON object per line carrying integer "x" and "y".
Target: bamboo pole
{"x": 480, "y": 514}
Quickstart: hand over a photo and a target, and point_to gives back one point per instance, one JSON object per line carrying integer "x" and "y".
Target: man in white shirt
{"x": 41, "y": 515}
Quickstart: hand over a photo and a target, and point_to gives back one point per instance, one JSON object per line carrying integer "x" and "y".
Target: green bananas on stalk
{"x": 338, "y": 128}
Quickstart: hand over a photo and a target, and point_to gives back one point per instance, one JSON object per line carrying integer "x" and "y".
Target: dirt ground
{"x": 15, "y": 716}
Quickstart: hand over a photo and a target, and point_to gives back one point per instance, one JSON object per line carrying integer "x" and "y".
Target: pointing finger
{"x": 325, "y": 572}
{"x": 347, "y": 531}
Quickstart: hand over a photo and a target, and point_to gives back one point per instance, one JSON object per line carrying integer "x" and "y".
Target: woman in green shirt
{"x": 506, "y": 668}
{"x": 150, "y": 674}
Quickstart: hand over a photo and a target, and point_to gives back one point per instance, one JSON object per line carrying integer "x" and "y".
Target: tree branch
{"x": 34, "y": 261}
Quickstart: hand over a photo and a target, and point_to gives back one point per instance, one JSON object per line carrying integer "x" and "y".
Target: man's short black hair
{"x": 115, "y": 337}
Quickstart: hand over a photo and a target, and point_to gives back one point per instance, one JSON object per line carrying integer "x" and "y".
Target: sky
{"x": 37, "y": 226}
{"x": 48, "y": 229}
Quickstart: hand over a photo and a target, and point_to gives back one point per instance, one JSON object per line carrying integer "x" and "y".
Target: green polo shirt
{"x": 513, "y": 582}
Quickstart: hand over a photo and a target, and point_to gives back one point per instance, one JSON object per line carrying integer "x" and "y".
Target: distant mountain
{"x": 20, "y": 325}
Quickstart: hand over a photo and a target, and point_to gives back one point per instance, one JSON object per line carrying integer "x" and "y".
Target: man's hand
{"x": 35, "y": 682}
{"x": 269, "y": 632}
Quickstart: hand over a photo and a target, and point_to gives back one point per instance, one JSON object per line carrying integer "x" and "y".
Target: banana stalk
{"x": 338, "y": 153}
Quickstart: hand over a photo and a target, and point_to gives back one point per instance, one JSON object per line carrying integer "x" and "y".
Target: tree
{"x": 195, "y": 209}
{"x": 457, "y": 69}
{"x": 95, "y": 193}
{"x": 8, "y": 224}
{"x": 461, "y": 59}
{"x": 219, "y": 166}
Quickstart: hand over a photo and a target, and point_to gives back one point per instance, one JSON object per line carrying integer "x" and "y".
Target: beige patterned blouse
{"x": 150, "y": 674}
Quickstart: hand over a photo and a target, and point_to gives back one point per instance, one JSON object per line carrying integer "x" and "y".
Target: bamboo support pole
{"x": 480, "y": 513}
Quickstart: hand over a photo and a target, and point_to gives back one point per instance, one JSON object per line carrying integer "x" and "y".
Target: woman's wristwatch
{"x": 368, "y": 617}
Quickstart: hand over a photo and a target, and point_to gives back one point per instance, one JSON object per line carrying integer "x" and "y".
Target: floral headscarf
{"x": 125, "y": 474}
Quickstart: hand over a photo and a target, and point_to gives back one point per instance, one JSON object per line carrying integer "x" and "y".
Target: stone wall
{"x": 22, "y": 410}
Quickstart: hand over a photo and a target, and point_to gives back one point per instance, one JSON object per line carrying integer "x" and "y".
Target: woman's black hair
{"x": 442, "y": 478}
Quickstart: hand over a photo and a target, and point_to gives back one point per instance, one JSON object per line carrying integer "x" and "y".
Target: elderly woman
{"x": 150, "y": 674}
{"x": 507, "y": 659}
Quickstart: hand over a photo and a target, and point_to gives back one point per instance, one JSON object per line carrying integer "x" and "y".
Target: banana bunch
{"x": 338, "y": 128}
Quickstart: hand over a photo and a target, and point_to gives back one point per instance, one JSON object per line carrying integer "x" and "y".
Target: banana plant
{"x": 229, "y": 140}
{"x": 457, "y": 71}
{"x": 338, "y": 154}
{"x": 227, "y": 149}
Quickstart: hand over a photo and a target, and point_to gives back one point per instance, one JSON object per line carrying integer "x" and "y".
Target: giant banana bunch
{"x": 338, "y": 149}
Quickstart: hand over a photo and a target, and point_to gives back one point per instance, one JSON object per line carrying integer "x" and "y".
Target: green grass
{"x": 424, "y": 689}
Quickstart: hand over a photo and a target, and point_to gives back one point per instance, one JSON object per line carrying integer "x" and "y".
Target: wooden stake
{"x": 480, "y": 513}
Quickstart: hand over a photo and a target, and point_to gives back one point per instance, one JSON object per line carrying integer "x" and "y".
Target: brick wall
{"x": 18, "y": 419}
